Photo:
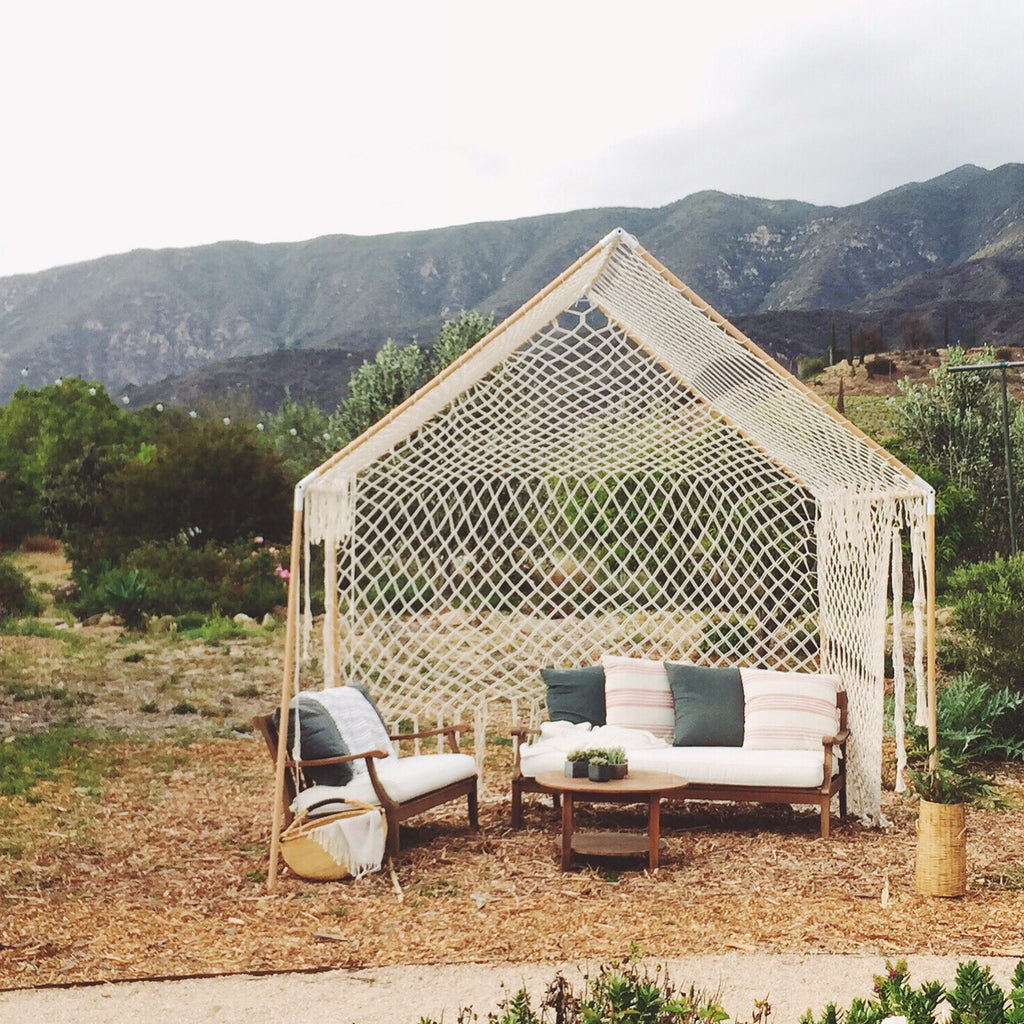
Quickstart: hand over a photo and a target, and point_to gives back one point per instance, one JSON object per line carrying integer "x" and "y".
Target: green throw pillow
{"x": 709, "y": 705}
{"x": 575, "y": 694}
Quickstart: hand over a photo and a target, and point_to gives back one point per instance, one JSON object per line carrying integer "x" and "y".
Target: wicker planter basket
{"x": 941, "y": 865}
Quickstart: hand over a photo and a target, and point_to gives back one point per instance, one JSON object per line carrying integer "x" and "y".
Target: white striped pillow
{"x": 788, "y": 710}
{"x": 637, "y": 695}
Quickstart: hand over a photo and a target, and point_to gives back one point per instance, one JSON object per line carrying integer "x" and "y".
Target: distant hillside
{"x": 319, "y": 376}
{"x": 949, "y": 250}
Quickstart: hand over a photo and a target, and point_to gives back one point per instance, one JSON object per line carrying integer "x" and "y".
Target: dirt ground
{"x": 160, "y": 872}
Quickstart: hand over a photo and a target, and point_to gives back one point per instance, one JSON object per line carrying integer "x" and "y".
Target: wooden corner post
{"x": 291, "y": 632}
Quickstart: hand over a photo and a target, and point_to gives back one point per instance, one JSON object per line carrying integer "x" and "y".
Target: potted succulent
{"x": 576, "y": 764}
{"x": 945, "y": 782}
{"x": 617, "y": 759}
{"x": 599, "y": 770}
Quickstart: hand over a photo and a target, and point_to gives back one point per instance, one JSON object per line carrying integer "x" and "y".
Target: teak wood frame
{"x": 821, "y": 796}
{"x": 394, "y": 812}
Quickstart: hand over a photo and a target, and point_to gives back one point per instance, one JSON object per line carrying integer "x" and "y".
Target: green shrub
{"x": 809, "y": 366}
{"x": 977, "y": 720}
{"x": 954, "y": 423}
{"x": 213, "y": 630}
{"x": 207, "y": 484}
{"x": 629, "y": 992}
{"x": 16, "y": 597}
{"x": 175, "y": 578}
{"x": 988, "y": 605}
{"x": 241, "y": 577}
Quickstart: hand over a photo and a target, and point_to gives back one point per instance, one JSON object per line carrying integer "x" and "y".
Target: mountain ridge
{"x": 951, "y": 246}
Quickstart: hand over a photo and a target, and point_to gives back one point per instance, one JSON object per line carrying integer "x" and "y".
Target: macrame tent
{"x": 615, "y": 469}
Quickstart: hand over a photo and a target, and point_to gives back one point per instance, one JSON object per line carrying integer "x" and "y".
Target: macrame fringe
{"x": 917, "y": 545}
{"x": 899, "y": 680}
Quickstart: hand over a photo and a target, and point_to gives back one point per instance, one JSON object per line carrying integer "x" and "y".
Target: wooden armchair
{"x": 461, "y": 781}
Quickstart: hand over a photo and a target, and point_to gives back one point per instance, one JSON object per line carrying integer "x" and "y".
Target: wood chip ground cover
{"x": 163, "y": 873}
{"x": 164, "y": 876}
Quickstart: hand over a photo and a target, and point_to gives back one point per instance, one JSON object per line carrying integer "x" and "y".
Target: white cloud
{"x": 157, "y": 124}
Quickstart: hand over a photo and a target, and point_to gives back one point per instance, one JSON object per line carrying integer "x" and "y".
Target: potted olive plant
{"x": 947, "y": 778}
{"x": 945, "y": 782}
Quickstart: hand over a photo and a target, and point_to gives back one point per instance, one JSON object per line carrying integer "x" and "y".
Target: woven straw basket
{"x": 306, "y": 857}
{"x": 941, "y": 865}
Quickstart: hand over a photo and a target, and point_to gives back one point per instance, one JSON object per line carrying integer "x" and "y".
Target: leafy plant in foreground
{"x": 125, "y": 593}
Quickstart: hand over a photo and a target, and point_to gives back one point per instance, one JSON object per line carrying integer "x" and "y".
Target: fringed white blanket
{"x": 357, "y": 840}
{"x": 563, "y": 737}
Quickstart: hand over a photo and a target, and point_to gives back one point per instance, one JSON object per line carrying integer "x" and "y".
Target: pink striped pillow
{"x": 637, "y": 695}
{"x": 788, "y": 710}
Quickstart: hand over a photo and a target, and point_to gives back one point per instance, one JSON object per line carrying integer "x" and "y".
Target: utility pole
{"x": 1007, "y": 441}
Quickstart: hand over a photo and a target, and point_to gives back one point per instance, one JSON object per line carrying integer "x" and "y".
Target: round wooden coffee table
{"x": 636, "y": 788}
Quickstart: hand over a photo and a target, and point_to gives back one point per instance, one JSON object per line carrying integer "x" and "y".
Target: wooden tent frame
{"x": 428, "y": 393}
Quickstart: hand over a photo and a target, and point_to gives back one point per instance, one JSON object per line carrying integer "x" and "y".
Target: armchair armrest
{"x": 451, "y": 731}
{"x": 520, "y": 732}
{"x": 321, "y": 762}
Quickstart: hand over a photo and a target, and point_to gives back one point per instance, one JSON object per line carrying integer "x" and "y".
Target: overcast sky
{"x": 152, "y": 124}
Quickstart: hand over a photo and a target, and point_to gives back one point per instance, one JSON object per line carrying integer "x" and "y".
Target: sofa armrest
{"x": 520, "y": 735}
{"x": 829, "y": 745}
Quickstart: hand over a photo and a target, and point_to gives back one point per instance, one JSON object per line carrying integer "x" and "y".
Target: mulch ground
{"x": 164, "y": 876}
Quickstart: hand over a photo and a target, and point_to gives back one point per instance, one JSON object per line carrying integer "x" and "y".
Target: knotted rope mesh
{"x": 610, "y": 472}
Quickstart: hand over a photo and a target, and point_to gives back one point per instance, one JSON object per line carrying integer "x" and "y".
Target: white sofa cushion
{"x": 722, "y": 766}
{"x": 637, "y": 695}
{"x": 736, "y": 766}
{"x": 404, "y": 778}
{"x": 788, "y": 710}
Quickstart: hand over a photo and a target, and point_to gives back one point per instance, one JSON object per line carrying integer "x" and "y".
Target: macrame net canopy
{"x": 613, "y": 470}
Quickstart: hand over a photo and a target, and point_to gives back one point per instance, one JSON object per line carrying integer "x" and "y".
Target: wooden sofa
{"x": 395, "y": 811}
{"x": 833, "y": 775}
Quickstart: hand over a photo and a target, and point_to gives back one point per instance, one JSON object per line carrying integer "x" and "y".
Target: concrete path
{"x": 404, "y": 995}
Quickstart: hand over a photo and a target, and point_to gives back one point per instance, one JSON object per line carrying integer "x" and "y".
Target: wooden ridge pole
{"x": 291, "y": 631}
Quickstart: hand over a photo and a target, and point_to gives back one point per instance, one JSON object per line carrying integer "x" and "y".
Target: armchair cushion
{"x": 404, "y": 779}
{"x": 332, "y": 723}
{"x": 708, "y": 705}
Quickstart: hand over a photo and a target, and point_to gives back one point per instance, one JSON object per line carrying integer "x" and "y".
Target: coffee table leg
{"x": 568, "y": 815}
{"x": 654, "y": 830}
